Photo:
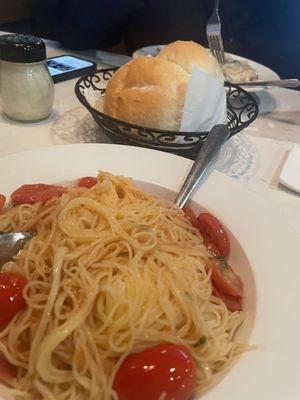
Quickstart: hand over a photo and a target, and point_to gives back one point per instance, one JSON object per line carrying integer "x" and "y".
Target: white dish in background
{"x": 108, "y": 58}
{"x": 271, "y": 371}
{"x": 264, "y": 73}
{"x": 148, "y": 51}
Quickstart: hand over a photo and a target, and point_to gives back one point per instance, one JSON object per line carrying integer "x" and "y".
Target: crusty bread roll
{"x": 150, "y": 91}
{"x": 187, "y": 54}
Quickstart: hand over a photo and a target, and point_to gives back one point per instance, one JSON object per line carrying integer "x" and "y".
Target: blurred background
{"x": 266, "y": 31}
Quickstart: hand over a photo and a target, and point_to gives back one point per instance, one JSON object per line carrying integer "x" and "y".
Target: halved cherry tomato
{"x": 233, "y": 303}
{"x": 7, "y": 371}
{"x": 2, "y": 201}
{"x": 224, "y": 278}
{"x": 88, "y": 181}
{"x": 211, "y": 227}
{"x": 28, "y": 194}
{"x": 190, "y": 215}
{"x": 210, "y": 245}
{"x": 166, "y": 371}
{"x": 11, "y": 296}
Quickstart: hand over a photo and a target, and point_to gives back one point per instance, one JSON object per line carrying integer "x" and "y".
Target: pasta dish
{"x": 119, "y": 295}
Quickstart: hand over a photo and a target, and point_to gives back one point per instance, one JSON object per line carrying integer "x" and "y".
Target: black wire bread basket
{"x": 242, "y": 109}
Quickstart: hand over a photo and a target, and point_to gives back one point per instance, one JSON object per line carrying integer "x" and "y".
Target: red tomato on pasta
{"x": 209, "y": 226}
{"x": 29, "y": 194}
{"x": 7, "y": 371}
{"x": 210, "y": 245}
{"x": 224, "y": 278}
{"x": 233, "y": 303}
{"x": 87, "y": 182}
{"x": 166, "y": 371}
{"x": 11, "y": 296}
{"x": 2, "y": 201}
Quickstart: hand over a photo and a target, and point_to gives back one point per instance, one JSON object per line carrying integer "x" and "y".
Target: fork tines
{"x": 213, "y": 32}
{"x": 215, "y": 44}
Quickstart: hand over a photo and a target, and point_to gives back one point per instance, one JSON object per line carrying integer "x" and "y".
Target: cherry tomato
{"x": 11, "y": 296}
{"x": 7, "y": 371}
{"x": 224, "y": 278}
{"x": 211, "y": 227}
{"x": 166, "y": 371}
{"x": 233, "y": 303}
{"x": 211, "y": 246}
{"x": 88, "y": 181}
{"x": 190, "y": 215}
{"x": 30, "y": 194}
{"x": 2, "y": 201}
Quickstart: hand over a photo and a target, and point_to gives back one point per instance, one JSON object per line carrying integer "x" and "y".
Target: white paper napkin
{"x": 205, "y": 103}
{"x": 290, "y": 174}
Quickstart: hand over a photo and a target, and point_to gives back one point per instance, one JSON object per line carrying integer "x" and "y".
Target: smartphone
{"x": 66, "y": 67}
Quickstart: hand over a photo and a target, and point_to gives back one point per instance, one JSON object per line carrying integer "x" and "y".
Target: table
{"x": 254, "y": 156}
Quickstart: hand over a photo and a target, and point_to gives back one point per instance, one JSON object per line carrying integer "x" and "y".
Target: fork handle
{"x": 216, "y": 7}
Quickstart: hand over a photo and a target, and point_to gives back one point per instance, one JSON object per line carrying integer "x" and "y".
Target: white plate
{"x": 264, "y": 73}
{"x": 148, "y": 51}
{"x": 272, "y": 371}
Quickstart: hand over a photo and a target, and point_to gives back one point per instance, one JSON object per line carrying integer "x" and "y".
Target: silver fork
{"x": 213, "y": 33}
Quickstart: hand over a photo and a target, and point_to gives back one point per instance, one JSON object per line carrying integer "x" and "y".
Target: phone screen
{"x": 68, "y": 67}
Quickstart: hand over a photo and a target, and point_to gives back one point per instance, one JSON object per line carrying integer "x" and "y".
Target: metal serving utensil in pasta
{"x": 11, "y": 244}
{"x": 207, "y": 154}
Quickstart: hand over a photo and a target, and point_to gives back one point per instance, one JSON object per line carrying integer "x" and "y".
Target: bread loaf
{"x": 150, "y": 91}
{"x": 187, "y": 54}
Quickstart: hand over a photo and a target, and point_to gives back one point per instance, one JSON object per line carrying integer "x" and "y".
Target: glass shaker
{"x": 26, "y": 87}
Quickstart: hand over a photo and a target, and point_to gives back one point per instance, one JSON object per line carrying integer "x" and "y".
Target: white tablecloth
{"x": 254, "y": 157}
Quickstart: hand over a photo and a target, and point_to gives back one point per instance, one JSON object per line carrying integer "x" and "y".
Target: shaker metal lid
{"x": 21, "y": 48}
